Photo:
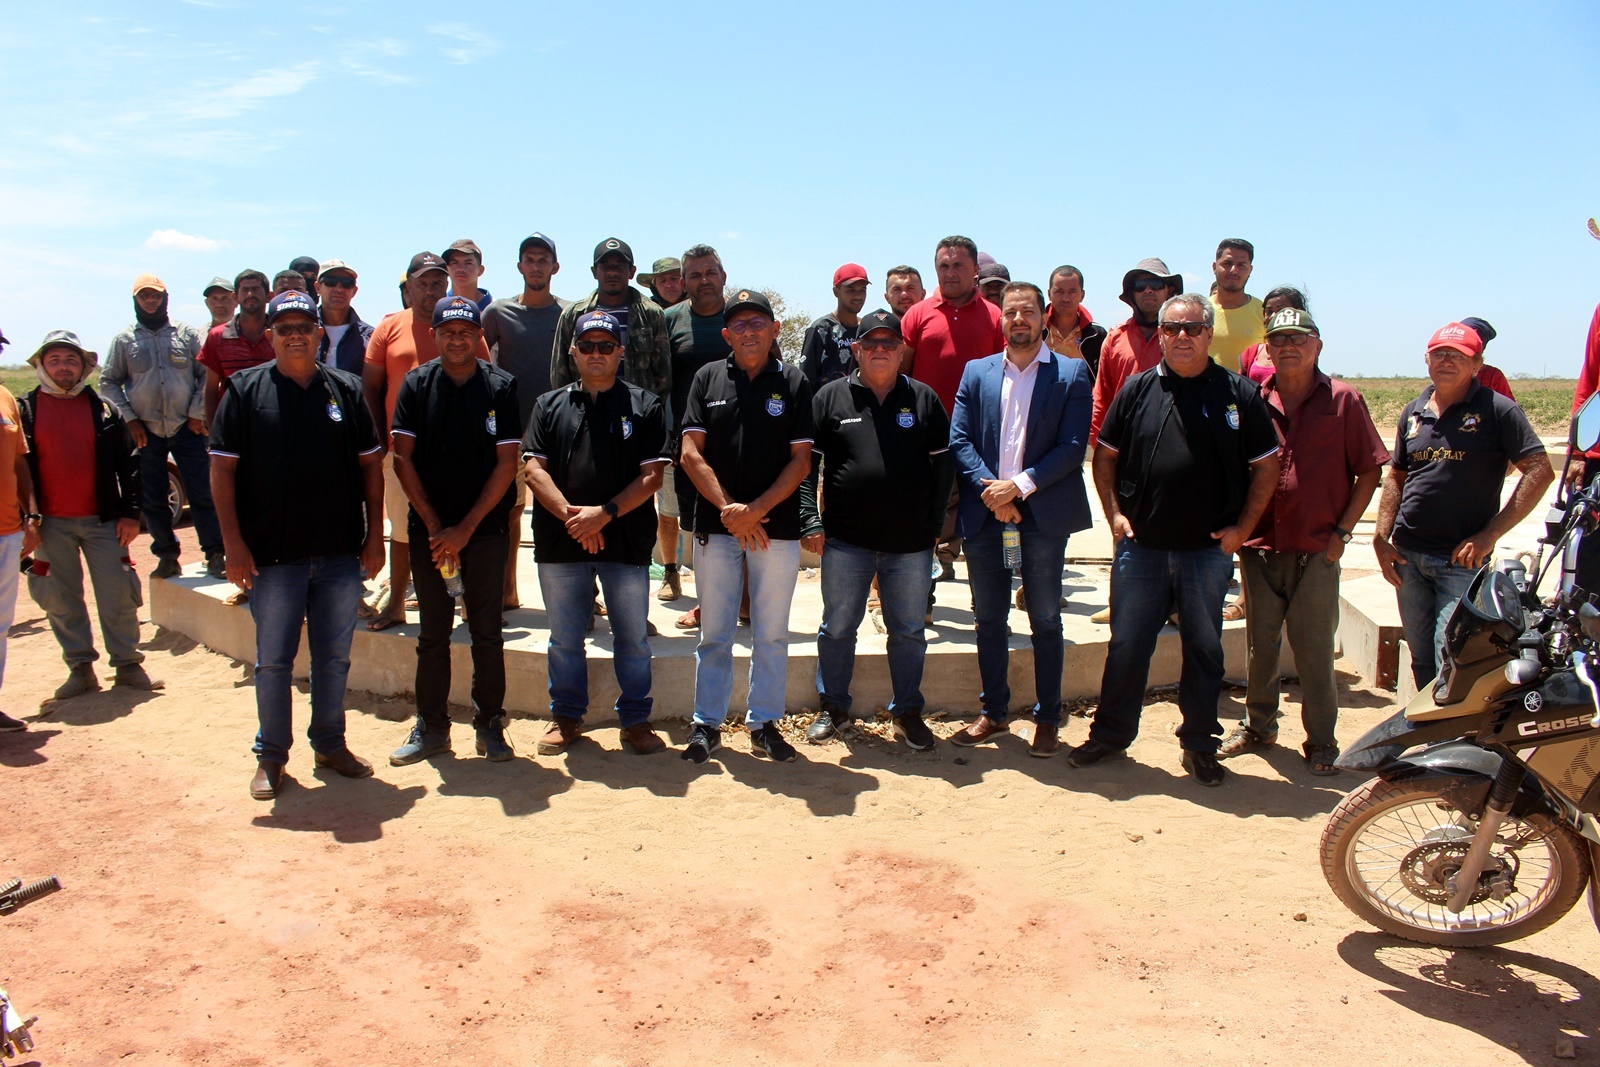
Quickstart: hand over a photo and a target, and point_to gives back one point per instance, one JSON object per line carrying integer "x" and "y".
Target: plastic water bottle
{"x": 450, "y": 571}
{"x": 1011, "y": 547}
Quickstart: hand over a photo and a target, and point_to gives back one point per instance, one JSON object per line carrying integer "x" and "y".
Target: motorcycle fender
{"x": 1594, "y": 883}
{"x": 1463, "y": 774}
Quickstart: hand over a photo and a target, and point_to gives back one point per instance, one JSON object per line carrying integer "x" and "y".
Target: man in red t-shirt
{"x": 400, "y": 344}
{"x": 86, "y": 481}
{"x": 1133, "y": 347}
{"x": 943, "y": 334}
{"x": 237, "y": 345}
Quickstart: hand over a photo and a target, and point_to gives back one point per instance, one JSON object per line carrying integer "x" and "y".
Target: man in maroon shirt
{"x": 1332, "y": 459}
{"x": 943, "y": 334}
{"x": 1132, "y": 347}
{"x": 239, "y": 344}
{"x": 86, "y": 481}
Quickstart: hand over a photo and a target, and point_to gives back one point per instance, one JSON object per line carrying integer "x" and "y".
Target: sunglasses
{"x": 749, "y": 325}
{"x": 1289, "y": 340}
{"x": 294, "y": 329}
{"x": 1145, "y": 285}
{"x": 1191, "y": 329}
{"x": 338, "y": 281}
{"x": 878, "y": 344}
{"x": 589, "y": 348}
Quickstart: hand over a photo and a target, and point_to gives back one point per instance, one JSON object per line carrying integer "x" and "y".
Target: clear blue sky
{"x": 1407, "y": 163}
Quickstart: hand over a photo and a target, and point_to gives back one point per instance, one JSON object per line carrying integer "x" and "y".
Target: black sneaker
{"x": 9, "y": 725}
{"x": 1091, "y": 752}
{"x": 703, "y": 741}
{"x": 768, "y": 742}
{"x": 492, "y": 740}
{"x": 1203, "y": 768}
{"x": 829, "y": 723}
{"x": 915, "y": 732}
{"x": 419, "y": 746}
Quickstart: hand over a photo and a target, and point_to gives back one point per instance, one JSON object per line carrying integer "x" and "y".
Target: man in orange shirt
{"x": 401, "y": 343}
{"x": 1133, "y": 347}
{"x": 17, "y": 539}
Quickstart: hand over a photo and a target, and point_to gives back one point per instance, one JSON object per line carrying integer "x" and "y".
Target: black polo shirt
{"x": 877, "y": 468}
{"x": 458, "y": 430}
{"x": 750, "y": 425}
{"x": 593, "y": 448}
{"x": 1455, "y": 466}
{"x": 695, "y": 340}
{"x": 298, "y": 486}
{"x": 1184, "y": 448}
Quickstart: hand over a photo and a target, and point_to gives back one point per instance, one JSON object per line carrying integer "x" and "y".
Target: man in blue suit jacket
{"x": 1018, "y": 434}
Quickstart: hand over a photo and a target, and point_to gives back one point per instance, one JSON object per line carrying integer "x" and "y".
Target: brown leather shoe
{"x": 979, "y": 732}
{"x": 642, "y": 739}
{"x": 563, "y": 731}
{"x": 1046, "y": 740}
{"x": 268, "y": 780}
{"x": 345, "y": 762}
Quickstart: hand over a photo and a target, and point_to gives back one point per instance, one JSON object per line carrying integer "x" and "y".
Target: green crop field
{"x": 1548, "y": 401}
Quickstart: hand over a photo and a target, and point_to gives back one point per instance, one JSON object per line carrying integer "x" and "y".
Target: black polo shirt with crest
{"x": 458, "y": 431}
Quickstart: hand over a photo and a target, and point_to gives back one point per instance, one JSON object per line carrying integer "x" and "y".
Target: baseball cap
{"x": 465, "y": 246}
{"x": 610, "y": 245}
{"x": 850, "y": 272}
{"x": 660, "y": 266}
{"x": 1455, "y": 335}
{"x": 750, "y": 300}
{"x": 62, "y": 339}
{"x": 984, "y": 260}
{"x": 217, "y": 283}
{"x": 456, "y": 309}
{"x": 292, "y": 302}
{"x": 148, "y": 281}
{"x": 301, "y": 264}
{"x": 335, "y": 265}
{"x": 879, "y": 320}
{"x": 993, "y": 272}
{"x": 1291, "y": 320}
{"x": 422, "y": 263}
{"x": 535, "y": 239}
{"x": 597, "y": 320}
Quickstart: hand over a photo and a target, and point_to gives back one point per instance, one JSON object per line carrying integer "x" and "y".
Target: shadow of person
{"x": 1519, "y": 1000}
{"x": 521, "y": 785}
{"x": 165, "y": 640}
{"x": 826, "y": 788}
{"x": 23, "y": 749}
{"x": 96, "y": 708}
{"x": 351, "y": 810}
{"x": 1352, "y": 695}
{"x": 664, "y": 774}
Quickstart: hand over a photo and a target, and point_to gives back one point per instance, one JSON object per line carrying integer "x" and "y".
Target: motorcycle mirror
{"x": 1586, "y": 425}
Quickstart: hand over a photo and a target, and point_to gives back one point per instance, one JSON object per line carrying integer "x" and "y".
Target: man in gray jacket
{"x": 154, "y": 378}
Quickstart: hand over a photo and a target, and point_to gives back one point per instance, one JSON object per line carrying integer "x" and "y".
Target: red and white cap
{"x": 1458, "y": 336}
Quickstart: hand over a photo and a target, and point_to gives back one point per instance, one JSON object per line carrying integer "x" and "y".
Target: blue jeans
{"x": 720, "y": 568}
{"x": 1146, "y": 584}
{"x": 903, "y": 582}
{"x": 194, "y": 468}
{"x": 568, "y": 591}
{"x": 1042, "y": 558}
{"x": 321, "y": 593}
{"x": 1429, "y": 589}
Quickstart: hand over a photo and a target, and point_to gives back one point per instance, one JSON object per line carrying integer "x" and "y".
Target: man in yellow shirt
{"x": 1239, "y": 322}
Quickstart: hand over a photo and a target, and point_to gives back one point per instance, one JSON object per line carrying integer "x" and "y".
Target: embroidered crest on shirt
{"x": 905, "y": 418}
{"x": 1470, "y": 421}
{"x": 333, "y": 410}
{"x": 1233, "y": 416}
{"x": 489, "y": 422}
{"x": 1413, "y": 424}
{"x": 627, "y": 429}
{"x": 775, "y": 404}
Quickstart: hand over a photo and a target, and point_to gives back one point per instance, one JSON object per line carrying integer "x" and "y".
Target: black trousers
{"x": 483, "y": 569}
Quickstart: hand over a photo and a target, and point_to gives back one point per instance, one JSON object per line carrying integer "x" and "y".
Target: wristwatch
{"x": 610, "y": 508}
{"x": 1344, "y": 535}
{"x": 32, "y": 516}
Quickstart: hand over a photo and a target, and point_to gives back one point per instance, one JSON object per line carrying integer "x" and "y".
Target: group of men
{"x": 946, "y": 423}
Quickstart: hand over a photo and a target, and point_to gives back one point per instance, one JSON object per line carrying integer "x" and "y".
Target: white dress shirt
{"x": 1016, "y": 399}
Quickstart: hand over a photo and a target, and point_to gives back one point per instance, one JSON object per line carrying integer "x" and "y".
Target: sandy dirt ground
{"x": 864, "y": 905}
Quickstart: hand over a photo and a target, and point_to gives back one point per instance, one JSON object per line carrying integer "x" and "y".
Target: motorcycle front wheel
{"x": 1390, "y": 848}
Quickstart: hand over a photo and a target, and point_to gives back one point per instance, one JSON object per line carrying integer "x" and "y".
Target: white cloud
{"x": 183, "y": 242}
{"x": 477, "y": 43}
{"x": 227, "y": 100}
{"x": 730, "y": 235}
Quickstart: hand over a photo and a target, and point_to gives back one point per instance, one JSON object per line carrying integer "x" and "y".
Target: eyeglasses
{"x": 1449, "y": 355}
{"x": 338, "y": 281}
{"x": 878, "y": 344}
{"x": 294, "y": 329}
{"x": 1145, "y": 285}
{"x": 605, "y": 348}
{"x": 749, "y": 325}
{"x": 1289, "y": 340}
{"x": 1191, "y": 329}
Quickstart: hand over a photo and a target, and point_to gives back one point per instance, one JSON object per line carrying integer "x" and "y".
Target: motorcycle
{"x": 1480, "y": 825}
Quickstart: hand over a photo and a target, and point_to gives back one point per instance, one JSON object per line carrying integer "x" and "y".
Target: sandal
{"x": 1232, "y": 611}
{"x": 1242, "y": 739}
{"x": 1321, "y": 760}
{"x": 371, "y": 609}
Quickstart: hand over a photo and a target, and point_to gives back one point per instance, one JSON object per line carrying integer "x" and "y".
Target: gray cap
{"x": 63, "y": 339}
{"x": 991, "y": 272}
{"x": 1150, "y": 266}
{"x": 217, "y": 283}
